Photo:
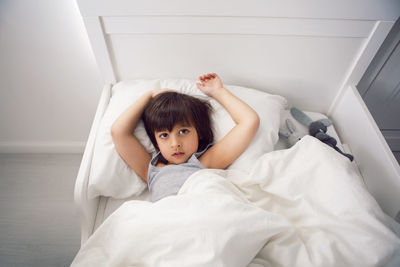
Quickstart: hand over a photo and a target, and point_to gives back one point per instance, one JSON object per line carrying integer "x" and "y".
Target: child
{"x": 179, "y": 127}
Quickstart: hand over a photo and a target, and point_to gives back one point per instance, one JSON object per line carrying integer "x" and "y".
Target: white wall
{"x": 49, "y": 81}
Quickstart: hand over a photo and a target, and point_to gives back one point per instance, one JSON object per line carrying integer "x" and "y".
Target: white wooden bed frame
{"x": 311, "y": 52}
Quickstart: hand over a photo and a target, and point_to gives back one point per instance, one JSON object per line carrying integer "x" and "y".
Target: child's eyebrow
{"x": 161, "y": 131}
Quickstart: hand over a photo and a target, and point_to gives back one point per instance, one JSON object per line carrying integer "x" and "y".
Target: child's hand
{"x": 209, "y": 83}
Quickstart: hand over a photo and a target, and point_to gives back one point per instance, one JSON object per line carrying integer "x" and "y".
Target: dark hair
{"x": 169, "y": 108}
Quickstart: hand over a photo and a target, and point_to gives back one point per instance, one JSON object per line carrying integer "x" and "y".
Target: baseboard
{"x": 43, "y": 147}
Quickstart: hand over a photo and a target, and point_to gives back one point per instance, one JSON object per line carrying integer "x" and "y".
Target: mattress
{"x": 107, "y": 205}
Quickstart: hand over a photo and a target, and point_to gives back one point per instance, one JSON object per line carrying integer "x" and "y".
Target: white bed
{"x": 311, "y": 53}
{"x": 102, "y": 167}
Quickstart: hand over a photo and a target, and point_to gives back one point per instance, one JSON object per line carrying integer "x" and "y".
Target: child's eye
{"x": 184, "y": 131}
{"x": 163, "y": 135}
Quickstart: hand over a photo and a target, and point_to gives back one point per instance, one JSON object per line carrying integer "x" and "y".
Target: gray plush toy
{"x": 318, "y": 129}
{"x": 292, "y": 135}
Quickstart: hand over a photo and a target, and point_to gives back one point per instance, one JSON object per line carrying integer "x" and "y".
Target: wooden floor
{"x": 39, "y": 224}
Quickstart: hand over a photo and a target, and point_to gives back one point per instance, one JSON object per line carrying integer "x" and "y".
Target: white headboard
{"x": 297, "y": 49}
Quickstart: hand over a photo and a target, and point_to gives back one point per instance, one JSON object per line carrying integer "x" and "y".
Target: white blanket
{"x": 304, "y": 206}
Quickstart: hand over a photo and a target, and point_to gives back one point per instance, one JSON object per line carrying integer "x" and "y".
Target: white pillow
{"x": 110, "y": 176}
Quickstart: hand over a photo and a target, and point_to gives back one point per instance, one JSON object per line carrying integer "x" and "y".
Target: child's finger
{"x": 208, "y": 76}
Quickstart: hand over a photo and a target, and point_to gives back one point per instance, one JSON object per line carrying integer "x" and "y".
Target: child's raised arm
{"x": 126, "y": 144}
{"x": 222, "y": 154}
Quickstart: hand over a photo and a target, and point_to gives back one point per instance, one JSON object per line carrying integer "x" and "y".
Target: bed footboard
{"x": 87, "y": 208}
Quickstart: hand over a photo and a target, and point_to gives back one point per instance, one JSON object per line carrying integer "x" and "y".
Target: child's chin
{"x": 178, "y": 160}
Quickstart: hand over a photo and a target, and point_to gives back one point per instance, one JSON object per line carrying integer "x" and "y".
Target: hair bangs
{"x": 168, "y": 118}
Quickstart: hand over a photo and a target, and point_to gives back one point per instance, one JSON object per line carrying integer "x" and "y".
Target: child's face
{"x": 177, "y": 145}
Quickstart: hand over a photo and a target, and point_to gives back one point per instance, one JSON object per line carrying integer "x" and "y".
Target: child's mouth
{"x": 178, "y": 154}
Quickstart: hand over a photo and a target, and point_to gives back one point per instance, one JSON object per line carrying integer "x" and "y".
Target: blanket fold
{"x": 304, "y": 206}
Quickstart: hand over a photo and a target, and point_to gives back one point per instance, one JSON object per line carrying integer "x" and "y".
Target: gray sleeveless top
{"x": 167, "y": 180}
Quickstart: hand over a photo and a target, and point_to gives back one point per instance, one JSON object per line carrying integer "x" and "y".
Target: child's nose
{"x": 175, "y": 142}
